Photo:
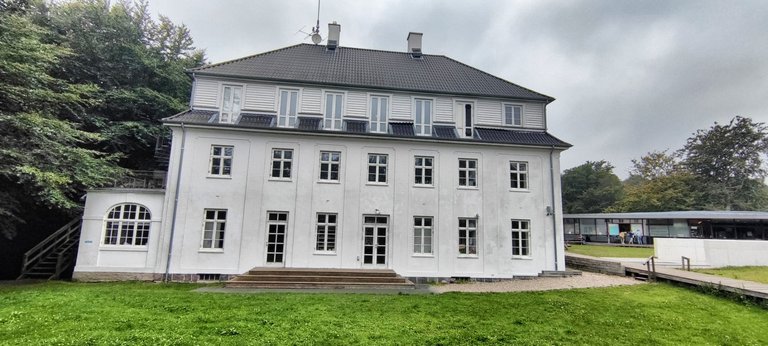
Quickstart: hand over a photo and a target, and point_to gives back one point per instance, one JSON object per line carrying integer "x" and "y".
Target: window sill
{"x": 520, "y": 190}
{"x": 467, "y": 188}
{"x": 129, "y": 248}
{"x": 328, "y": 182}
{"x": 376, "y": 184}
{"x": 527, "y": 258}
{"x": 420, "y": 186}
{"x": 324, "y": 253}
{"x": 211, "y": 250}
{"x": 416, "y": 255}
{"x": 469, "y": 256}
{"x": 285, "y": 180}
{"x": 228, "y": 177}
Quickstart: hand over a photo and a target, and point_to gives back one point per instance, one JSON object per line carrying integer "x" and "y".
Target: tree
{"x": 654, "y": 165}
{"x": 671, "y": 192}
{"x": 727, "y": 161}
{"x": 590, "y": 188}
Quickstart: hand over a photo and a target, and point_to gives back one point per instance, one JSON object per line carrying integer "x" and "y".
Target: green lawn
{"x": 159, "y": 314}
{"x": 611, "y": 251}
{"x": 757, "y": 274}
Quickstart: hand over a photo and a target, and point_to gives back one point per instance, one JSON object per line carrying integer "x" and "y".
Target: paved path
{"x": 750, "y": 288}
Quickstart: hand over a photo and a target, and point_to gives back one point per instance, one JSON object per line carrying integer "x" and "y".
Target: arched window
{"x": 127, "y": 224}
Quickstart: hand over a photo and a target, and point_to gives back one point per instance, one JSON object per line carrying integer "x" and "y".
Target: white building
{"x": 316, "y": 156}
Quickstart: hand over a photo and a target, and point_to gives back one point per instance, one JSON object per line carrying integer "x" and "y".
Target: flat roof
{"x": 694, "y": 214}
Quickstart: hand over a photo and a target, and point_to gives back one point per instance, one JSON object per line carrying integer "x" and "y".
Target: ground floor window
{"x": 214, "y": 225}
{"x": 422, "y": 235}
{"x": 326, "y": 232}
{"x": 468, "y": 236}
{"x": 127, "y": 224}
{"x": 521, "y": 235}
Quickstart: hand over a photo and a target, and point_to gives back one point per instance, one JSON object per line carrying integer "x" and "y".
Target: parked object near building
{"x": 315, "y": 156}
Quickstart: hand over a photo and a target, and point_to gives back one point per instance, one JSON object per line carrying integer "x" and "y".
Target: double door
{"x": 375, "y": 229}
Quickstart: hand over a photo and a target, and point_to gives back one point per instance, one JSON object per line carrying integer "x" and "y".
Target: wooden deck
{"x": 748, "y": 288}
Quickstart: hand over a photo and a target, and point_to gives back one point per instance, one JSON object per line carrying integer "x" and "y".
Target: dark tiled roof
{"x": 445, "y": 131}
{"x": 309, "y": 123}
{"x": 357, "y": 127}
{"x": 356, "y": 67}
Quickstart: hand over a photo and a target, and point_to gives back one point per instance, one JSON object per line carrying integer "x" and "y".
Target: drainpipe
{"x": 552, "y": 186}
{"x": 167, "y": 275}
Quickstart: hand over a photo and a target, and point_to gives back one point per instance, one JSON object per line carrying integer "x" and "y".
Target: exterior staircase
{"x": 320, "y": 278}
{"x": 54, "y": 255}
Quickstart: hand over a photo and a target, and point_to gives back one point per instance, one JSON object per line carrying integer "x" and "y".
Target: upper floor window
{"x": 379, "y": 113}
{"x": 423, "y": 170}
{"x": 329, "y": 165}
{"x": 422, "y": 117}
{"x": 468, "y": 172}
{"x": 521, "y": 235}
{"x": 513, "y": 115}
{"x": 282, "y": 160}
{"x": 468, "y": 236}
{"x": 518, "y": 175}
{"x": 127, "y": 224}
{"x": 333, "y": 110}
{"x": 221, "y": 160}
{"x": 289, "y": 101}
{"x": 326, "y": 232}
{"x": 377, "y": 168}
{"x": 468, "y": 121}
{"x": 214, "y": 225}
{"x": 231, "y": 102}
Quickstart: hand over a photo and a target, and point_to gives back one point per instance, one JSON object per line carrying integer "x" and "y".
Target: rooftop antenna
{"x": 315, "y": 34}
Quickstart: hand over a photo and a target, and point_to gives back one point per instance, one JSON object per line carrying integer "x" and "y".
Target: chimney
{"x": 414, "y": 44}
{"x": 334, "y": 31}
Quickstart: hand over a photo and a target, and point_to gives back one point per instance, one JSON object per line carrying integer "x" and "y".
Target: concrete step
{"x": 320, "y": 278}
{"x": 559, "y": 274}
{"x": 317, "y": 285}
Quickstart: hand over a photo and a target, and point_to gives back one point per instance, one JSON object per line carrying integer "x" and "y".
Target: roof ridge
{"x": 243, "y": 58}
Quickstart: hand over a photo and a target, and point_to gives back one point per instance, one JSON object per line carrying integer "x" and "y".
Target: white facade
{"x": 712, "y": 252}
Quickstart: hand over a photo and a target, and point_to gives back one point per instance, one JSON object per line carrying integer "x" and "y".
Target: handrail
{"x": 62, "y": 235}
{"x": 650, "y": 264}
{"x": 687, "y": 261}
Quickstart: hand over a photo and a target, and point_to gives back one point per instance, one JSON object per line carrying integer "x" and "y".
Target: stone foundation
{"x": 156, "y": 277}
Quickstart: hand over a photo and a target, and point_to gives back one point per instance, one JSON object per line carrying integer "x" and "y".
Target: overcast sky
{"x": 629, "y": 77}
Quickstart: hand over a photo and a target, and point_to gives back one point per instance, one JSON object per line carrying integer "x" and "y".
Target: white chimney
{"x": 414, "y": 44}
{"x": 334, "y": 31}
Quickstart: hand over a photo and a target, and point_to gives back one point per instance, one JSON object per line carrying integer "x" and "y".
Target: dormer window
{"x": 422, "y": 123}
{"x": 379, "y": 113}
{"x": 333, "y": 109}
{"x": 231, "y": 101}
{"x": 468, "y": 121}
{"x": 286, "y": 115}
{"x": 513, "y": 115}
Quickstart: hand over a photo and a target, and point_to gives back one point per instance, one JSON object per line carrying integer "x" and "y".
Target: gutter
{"x": 166, "y": 276}
{"x": 552, "y": 186}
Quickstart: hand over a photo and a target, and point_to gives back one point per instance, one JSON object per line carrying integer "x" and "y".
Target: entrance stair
{"x": 54, "y": 255}
{"x": 291, "y": 278}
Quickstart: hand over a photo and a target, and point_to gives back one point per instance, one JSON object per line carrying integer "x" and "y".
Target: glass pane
{"x": 294, "y": 102}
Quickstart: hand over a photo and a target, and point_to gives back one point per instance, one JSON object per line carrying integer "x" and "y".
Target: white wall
{"x": 713, "y": 252}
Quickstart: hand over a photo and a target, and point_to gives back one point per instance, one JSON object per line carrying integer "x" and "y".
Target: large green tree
{"x": 590, "y": 188}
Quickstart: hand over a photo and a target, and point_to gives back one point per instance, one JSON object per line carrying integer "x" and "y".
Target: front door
{"x": 277, "y": 223}
{"x": 375, "y": 241}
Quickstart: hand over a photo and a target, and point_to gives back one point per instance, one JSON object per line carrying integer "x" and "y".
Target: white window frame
{"x": 376, "y": 123}
{"x": 504, "y": 108}
{"x": 216, "y": 233}
{"x": 287, "y": 118}
{"x": 419, "y": 171}
{"x": 336, "y": 124}
{"x": 325, "y": 228}
{"x": 127, "y": 224}
{"x": 330, "y": 162}
{"x": 518, "y": 177}
{"x": 379, "y": 177}
{"x": 462, "y": 118}
{"x": 281, "y": 163}
{"x": 230, "y": 117}
{"x": 521, "y": 238}
{"x": 468, "y": 172}
{"x": 224, "y": 160}
{"x": 420, "y": 240}
{"x": 284, "y": 215}
{"x": 470, "y": 242}
{"x": 421, "y": 127}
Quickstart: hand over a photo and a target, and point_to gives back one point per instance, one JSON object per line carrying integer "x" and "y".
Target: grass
{"x": 171, "y": 314}
{"x": 751, "y": 273}
{"x": 611, "y": 251}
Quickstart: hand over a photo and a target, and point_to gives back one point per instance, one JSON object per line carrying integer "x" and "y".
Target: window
{"x": 467, "y": 236}
{"x": 286, "y": 115}
{"x": 513, "y": 115}
{"x": 423, "y": 168}
{"x": 329, "y": 165}
{"x": 518, "y": 175}
{"x": 127, "y": 224}
{"x": 326, "y": 232}
{"x": 468, "y": 124}
{"x": 377, "y": 168}
{"x": 423, "y": 117}
{"x": 213, "y": 228}
{"x": 277, "y": 224}
{"x": 521, "y": 234}
{"x": 282, "y": 160}
{"x": 379, "y": 113}
{"x": 468, "y": 172}
{"x": 333, "y": 108}
{"x": 422, "y": 235}
{"x": 231, "y": 100}
{"x": 221, "y": 160}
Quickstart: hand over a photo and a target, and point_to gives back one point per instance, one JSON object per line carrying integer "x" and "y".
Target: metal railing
{"x": 141, "y": 180}
{"x": 59, "y": 243}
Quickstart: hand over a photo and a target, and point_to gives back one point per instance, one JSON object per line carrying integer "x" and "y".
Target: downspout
{"x": 166, "y": 277}
{"x": 552, "y": 186}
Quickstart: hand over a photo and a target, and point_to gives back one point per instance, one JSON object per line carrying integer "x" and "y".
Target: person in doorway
{"x": 639, "y": 236}
{"x": 622, "y": 235}
{"x": 630, "y": 237}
